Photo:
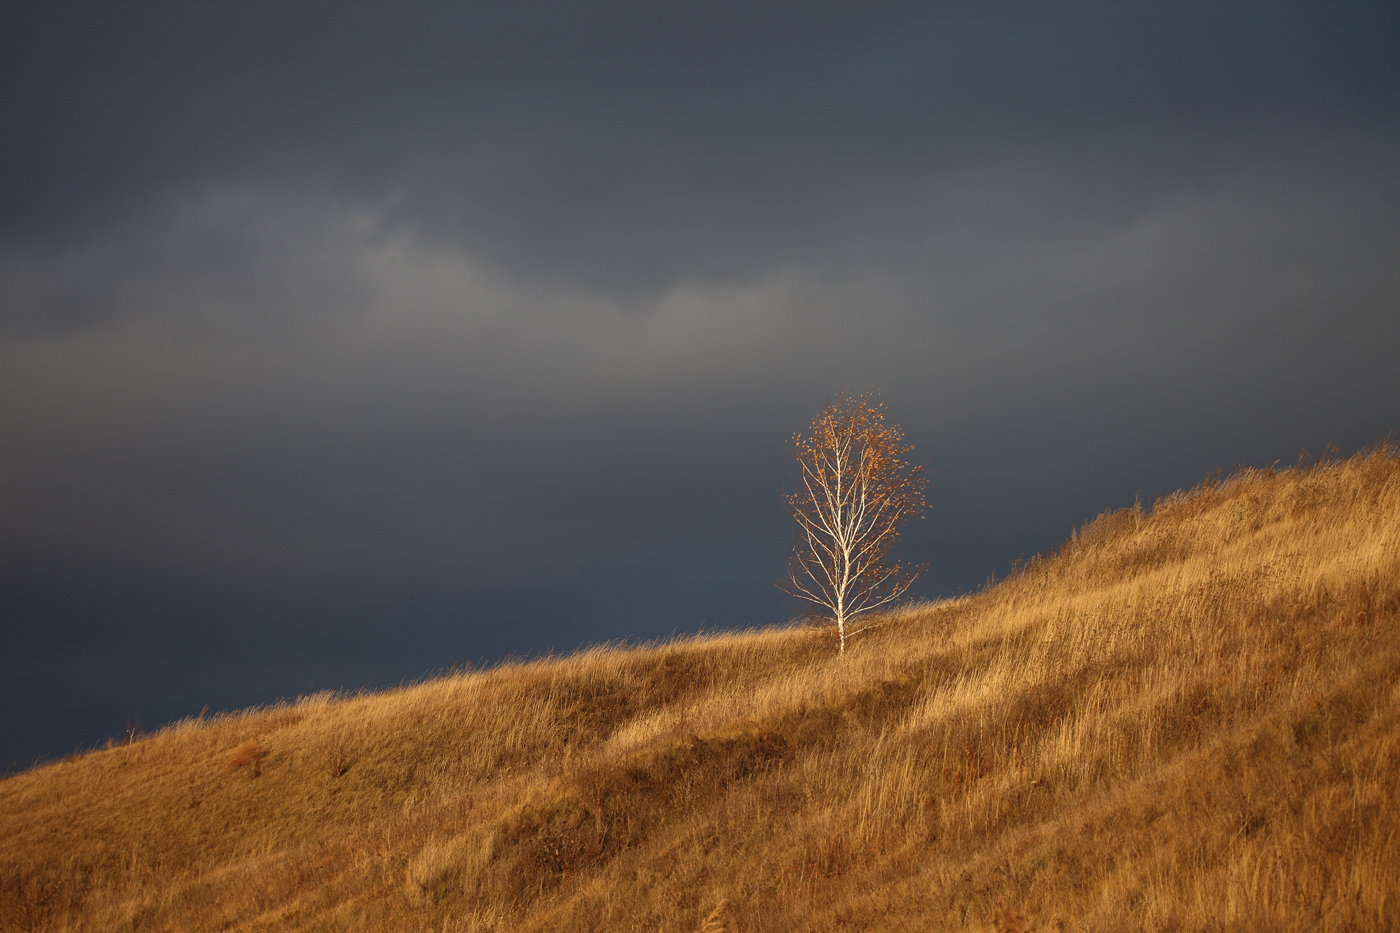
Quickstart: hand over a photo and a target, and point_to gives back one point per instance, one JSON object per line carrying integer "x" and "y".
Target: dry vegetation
{"x": 1187, "y": 718}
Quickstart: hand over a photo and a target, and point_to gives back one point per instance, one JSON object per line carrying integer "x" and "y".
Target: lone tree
{"x": 855, "y": 492}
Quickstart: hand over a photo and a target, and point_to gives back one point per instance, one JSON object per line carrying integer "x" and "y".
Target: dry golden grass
{"x": 1185, "y": 719}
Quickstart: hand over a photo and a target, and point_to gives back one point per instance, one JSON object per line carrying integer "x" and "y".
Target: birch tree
{"x": 854, "y": 494}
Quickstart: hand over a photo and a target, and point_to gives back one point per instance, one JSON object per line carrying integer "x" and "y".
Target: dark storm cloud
{"x": 438, "y": 417}
{"x": 628, "y": 145}
{"x": 339, "y": 343}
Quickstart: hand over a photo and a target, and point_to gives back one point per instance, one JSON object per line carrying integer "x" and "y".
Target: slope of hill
{"x": 1187, "y": 718}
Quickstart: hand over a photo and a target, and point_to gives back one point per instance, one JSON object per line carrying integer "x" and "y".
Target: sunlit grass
{"x": 1187, "y": 718}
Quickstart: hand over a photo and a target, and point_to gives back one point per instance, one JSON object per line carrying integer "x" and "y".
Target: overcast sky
{"x": 340, "y": 343}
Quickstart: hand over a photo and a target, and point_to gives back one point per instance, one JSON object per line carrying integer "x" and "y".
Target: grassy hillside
{"x": 1187, "y": 718}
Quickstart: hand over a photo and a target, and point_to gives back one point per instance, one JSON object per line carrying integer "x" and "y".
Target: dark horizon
{"x": 340, "y": 344}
